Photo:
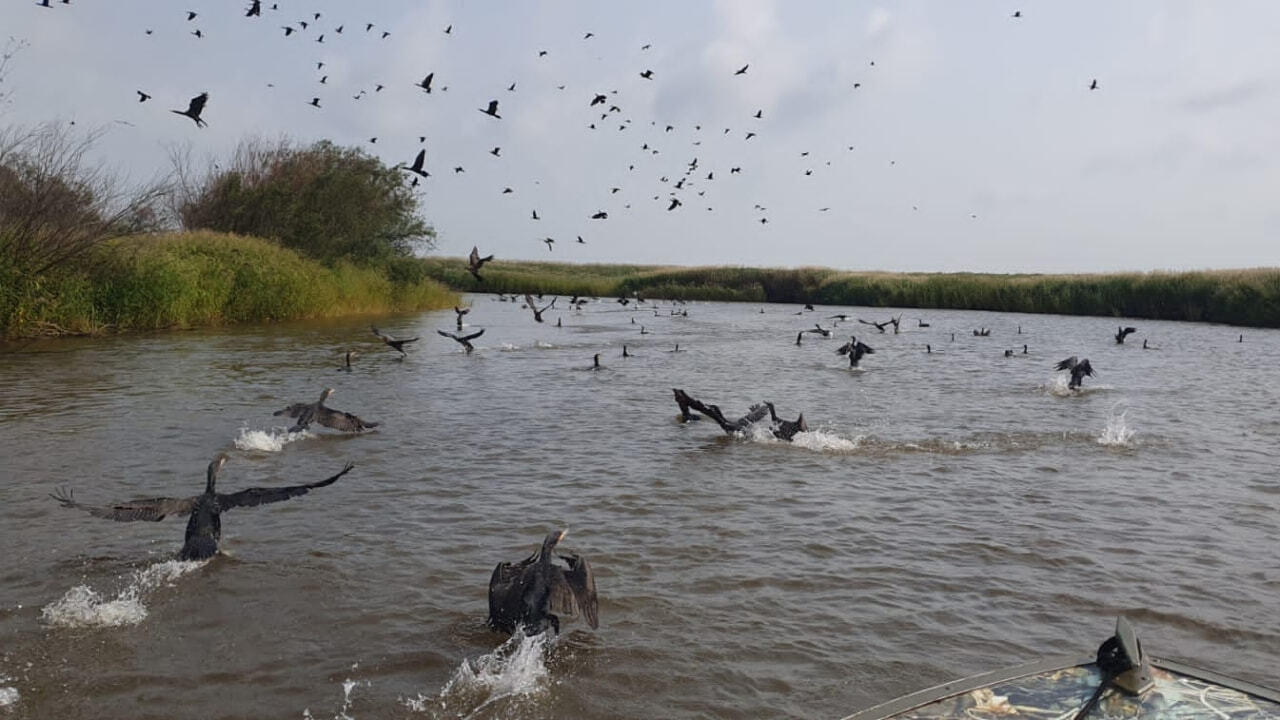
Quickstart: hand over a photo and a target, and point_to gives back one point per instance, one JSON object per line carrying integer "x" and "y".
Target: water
{"x": 946, "y": 514}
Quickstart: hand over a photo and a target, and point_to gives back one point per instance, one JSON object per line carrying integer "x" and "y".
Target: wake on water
{"x": 815, "y": 440}
{"x": 515, "y": 669}
{"x": 82, "y": 606}
{"x": 272, "y": 440}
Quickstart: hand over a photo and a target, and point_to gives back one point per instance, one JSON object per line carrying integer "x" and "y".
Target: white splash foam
{"x": 515, "y": 668}
{"x": 1117, "y": 433}
{"x": 823, "y": 441}
{"x": 543, "y": 345}
{"x": 272, "y": 440}
{"x": 509, "y": 347}
{"x": 8, "y": 697}
{"x": 82, "y": 606}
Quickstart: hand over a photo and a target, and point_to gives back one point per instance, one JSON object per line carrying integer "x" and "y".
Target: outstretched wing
{"x": 528, "y": 300}
{"x": 472, "y": 336}
{"x": 344, "y": 421}
{"x": 867, "y": 322}
{"x": 383, "y": 336}
{"x": 262, "y": 496}
{"x": 197, "y": 104}
{"x": 152, "y": 509}
{"x": 1067, "y": 364}
{"x": 474, "y": 260}
{"x": 449, "y": 335}
{"x": 461, "y": 311}
{"x": 294, "y": 410}
{"x": 866, "y": 349}
{"x": 1084, "y": 368}
{"x": 573, "y": 590}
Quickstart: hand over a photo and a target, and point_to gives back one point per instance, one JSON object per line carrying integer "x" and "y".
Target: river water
{"x": 947, "y": 513}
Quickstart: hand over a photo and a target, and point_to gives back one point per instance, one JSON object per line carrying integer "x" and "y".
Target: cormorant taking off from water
{"x": 878, "y": 325}
{"x": 475, "y": 262}
{"x": 195, "y": 108}
{"x": 537, "y": 314}
{"x": 307, "y": 413}
{"x": 782, "y": 429}
{"x": 204, "y": 529}
{"x": 460, "y": 312}
{"x": 535, "y": 591}
{"x": 397, "y": 344}
{"x": 464, "y": 340}
{"x": 1078, "y": 370}
{"x": 855, "y": 350}
{"x": 818, "y": 329}
{"x": 1122, "y": 333}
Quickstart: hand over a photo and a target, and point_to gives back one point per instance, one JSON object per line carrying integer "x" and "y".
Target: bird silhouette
{"x": 255, "y": 9}
{"x": 191, "y": 15}
{"x": 395, "y": 343}
{"x": 464, "y": 340}
{"x": 448, "y": 30}
{"x": 1122, "y": 333}
{"x": 194, "y": 109}
{"x": 1078, "y": 370}
{"x": 1093, "y": 85}
{"x": 602, "y": 215}
{"x": 287, "y": 30}
{"x": 647, "y": 74}
{"x": 675, "y": 203}
{"x": 425, "y": 84}
{"x": 315, "y": 102}
{"x": 581, "y": 241}
{"x": 416, "y": 167}
{"x": 492, "y": 110}
{"x": 1017, "y": 13}
{"x": 599, "y": 99}
{"x": 549, "y": 241}
{"x": 142, "y": 97}
{"x": 475, "y": 262}
{"x": 742, "y": 70}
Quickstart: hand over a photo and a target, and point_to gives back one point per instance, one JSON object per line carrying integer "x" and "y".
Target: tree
{"x": 326, "y": 201}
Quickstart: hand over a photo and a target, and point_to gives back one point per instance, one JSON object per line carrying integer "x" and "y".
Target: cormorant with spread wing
{"x": 460, "y": 312}
{"x": 782, "y": 429}
{"x": 307, "y": 413}
{"x": 535, "y": 592}
{"x": 394, "y": 343}
{"x": 204, "y": 528}
{"x": 537, "y": 314}
{"x": 855, "y": 350}
{"x": 1122, "y": 333}
{"x": 1078, "y": 370}
{"x": 475, "y": 262}
{"x": 464, "y": 340}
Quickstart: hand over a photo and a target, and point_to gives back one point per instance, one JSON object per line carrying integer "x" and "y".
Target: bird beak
{"x": 562, "y": 534}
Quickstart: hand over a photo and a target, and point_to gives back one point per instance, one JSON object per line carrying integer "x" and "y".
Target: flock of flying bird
{"x": 685, "y": 180}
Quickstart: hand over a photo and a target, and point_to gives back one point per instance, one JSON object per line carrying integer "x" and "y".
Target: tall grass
{"x": 196, "y": 279}
{"x": 1240, "y": 297}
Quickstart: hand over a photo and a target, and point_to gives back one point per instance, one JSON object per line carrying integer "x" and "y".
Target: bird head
{"x": 325, "y": 394}
{"x": 212, "y": 474}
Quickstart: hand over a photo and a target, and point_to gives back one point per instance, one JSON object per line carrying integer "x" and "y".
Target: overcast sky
{"x": 977, "y": 143}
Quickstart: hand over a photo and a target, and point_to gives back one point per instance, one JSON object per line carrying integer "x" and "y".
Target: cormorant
{"x": 394, "y": 343}
{"x": 307, "y": 413}
{"x": 820, "y": 330}
{"x": 537, "y": 313}
{"x": 535, "y": 591}
{"x": 1008, "y": 353}
{"x": 855, "y": 350}
{"x": 928, "y": 349}
{"x": 1123, "y": 332}
{"x": 799, "y": 335}
{"x": 782, "y": 429}
{"x": 204, "y": 529}
{"x": 624, "y": 352}
{"x": 595, "y": 362}
{"x": 878, "y": 325}
{"x": 347, "y": 366}
{"x": 464, "y": 340}
{"x": 921, "y": 323}
{"x": 194, "y": 108}
{"x": 1078, "y": 370}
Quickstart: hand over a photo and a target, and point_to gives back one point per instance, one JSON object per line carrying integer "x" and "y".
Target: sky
{"x": 905, "y": 136}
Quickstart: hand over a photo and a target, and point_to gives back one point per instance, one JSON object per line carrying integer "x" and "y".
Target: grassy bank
{"x": 185, "y": 280}
{"x": 1239, "y": 297}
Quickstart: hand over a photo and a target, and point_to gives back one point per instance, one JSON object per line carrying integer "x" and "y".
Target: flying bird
{"x": 742, "y": 70}
{"x": 855, "y": 349}
{"x": 599, "y": 99}
{"x": 1122, "y": 333}
{"x": 191, "y": 15}
{"x": 255, "y": 9}
{"x": 675, "y": 203}
{"x": 602, "y": 215}
{"x": 549, "y": 242}
{"x": 475, "y": 262}
{"x": 1093, "y": 85}
{"x": 142, "y": 97}
{"x": 536, "y": 591}
{"x": 492, "y": 110}
{"x": 195, "y": 108}
{"x": 306, "y": 413}
{"x": 394, "y": 343}
{"x": 416, "y": 167}
{"x": 204, "y": 528}
{"x": 464, "y": 340}
{"x": 1078, "y": 370}
{"x": 537, "y": 314}
{"x": 425, "y": 84}
{"x": 647, "y": 74}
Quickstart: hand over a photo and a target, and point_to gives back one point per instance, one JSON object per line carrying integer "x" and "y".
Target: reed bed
{"x": 1239, "y": 297}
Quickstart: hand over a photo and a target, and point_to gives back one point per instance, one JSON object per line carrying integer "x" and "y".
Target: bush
{"x": 328, "y": 202}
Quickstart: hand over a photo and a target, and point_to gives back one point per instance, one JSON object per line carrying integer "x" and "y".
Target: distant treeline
{"x": 1238, "y": 297}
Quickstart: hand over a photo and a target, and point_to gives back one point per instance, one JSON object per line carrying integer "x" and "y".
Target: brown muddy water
{"x": 948, "y": 513}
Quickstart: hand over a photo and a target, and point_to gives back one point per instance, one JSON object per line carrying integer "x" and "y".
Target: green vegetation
{"x": 1240, "y": 297}
{"x": 185, "y": 280}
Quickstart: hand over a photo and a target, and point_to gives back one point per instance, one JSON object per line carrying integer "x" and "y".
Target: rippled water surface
{"x": 948, "y": 513}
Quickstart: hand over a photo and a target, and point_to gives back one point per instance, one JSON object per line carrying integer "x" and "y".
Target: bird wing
{"x": 197, "y": 104}
{"x": 1067, "y": 364}
{"x": 472, "y": 336}
{"x": 461, "y": 311}
{"x": 262, "y": 496}
{"x": 573, "y": 590}
{"x": 866, "y": 349}
{"x": 1130, "y": 330}
{"x": 152, "y": 509}
{"x": 845, "y": 348}
{"x": 867, "y": 322}
{"x": 339, "y": 420}
{"x": 474, "y": 260}
{"x": 294, "y": 410}
{"x": 449, "y": 335}
{"x": 528, "y": 299}
{"x": 380, "y": 334}
{"x": 1085, "y": 367}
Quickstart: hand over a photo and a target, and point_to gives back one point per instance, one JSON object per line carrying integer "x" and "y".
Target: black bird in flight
{"x": 675, "y": 203}
{"x": 315, "y": 102}
{"x": 759, "y": 114}
{"x": 316, "y": 412}
{"x": 531, "y": 592}
{"x": 255, "y": 9}
{"x": 1078, "y": 370}
{"x": 426, "y": 82}
{"x": 44, "y": 3}
{"x": 647, "y": 74}
{"x": 142, "y": 97}
{"x": 448, "y": 30}
{"x": 475, "y": 262}
{"x": 542, "y": 53}
{"x": 492, "y": 110}
{"x": 416, "y": 167}
{"x": 464, "y": 340}
{"x": 598, "y": 100}
{"x": 535, "y": 215}
{"x": 287, "y": 30}
{"x": 1017, "y": 13}
{"x": 537, "y": 313}
{"x": 393, "y": 342}
{"x": 495, "y": 152}
{"x": 511, "y": 87}
{"x": 195, "y": 108}
{"x": 198, "y": 33}
{"x": 742, "y": 70}
{"x": 1093, "y": 85}
{"x": 191, "y": 15}
{"x": 602, "y": 215}
{"x": 549, "y": 241}
{"x": 204, "y": 528}
{"x": 368, "y": 27}
{"x": 581, "y": 241}
{"x": 1123, "y": 332}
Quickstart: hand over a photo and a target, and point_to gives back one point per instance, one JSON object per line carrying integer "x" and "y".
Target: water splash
{"x": 823, "y": 441}
{"x": 82, "y": 606}
{"x": 1117, "y": 433}
{"x": 543, "y": 345}
{"x": 343, "y": 712}
{"x": 272, "y": 440}
{"x": 8, "y": 695}
{"x": 515, "y": 669}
